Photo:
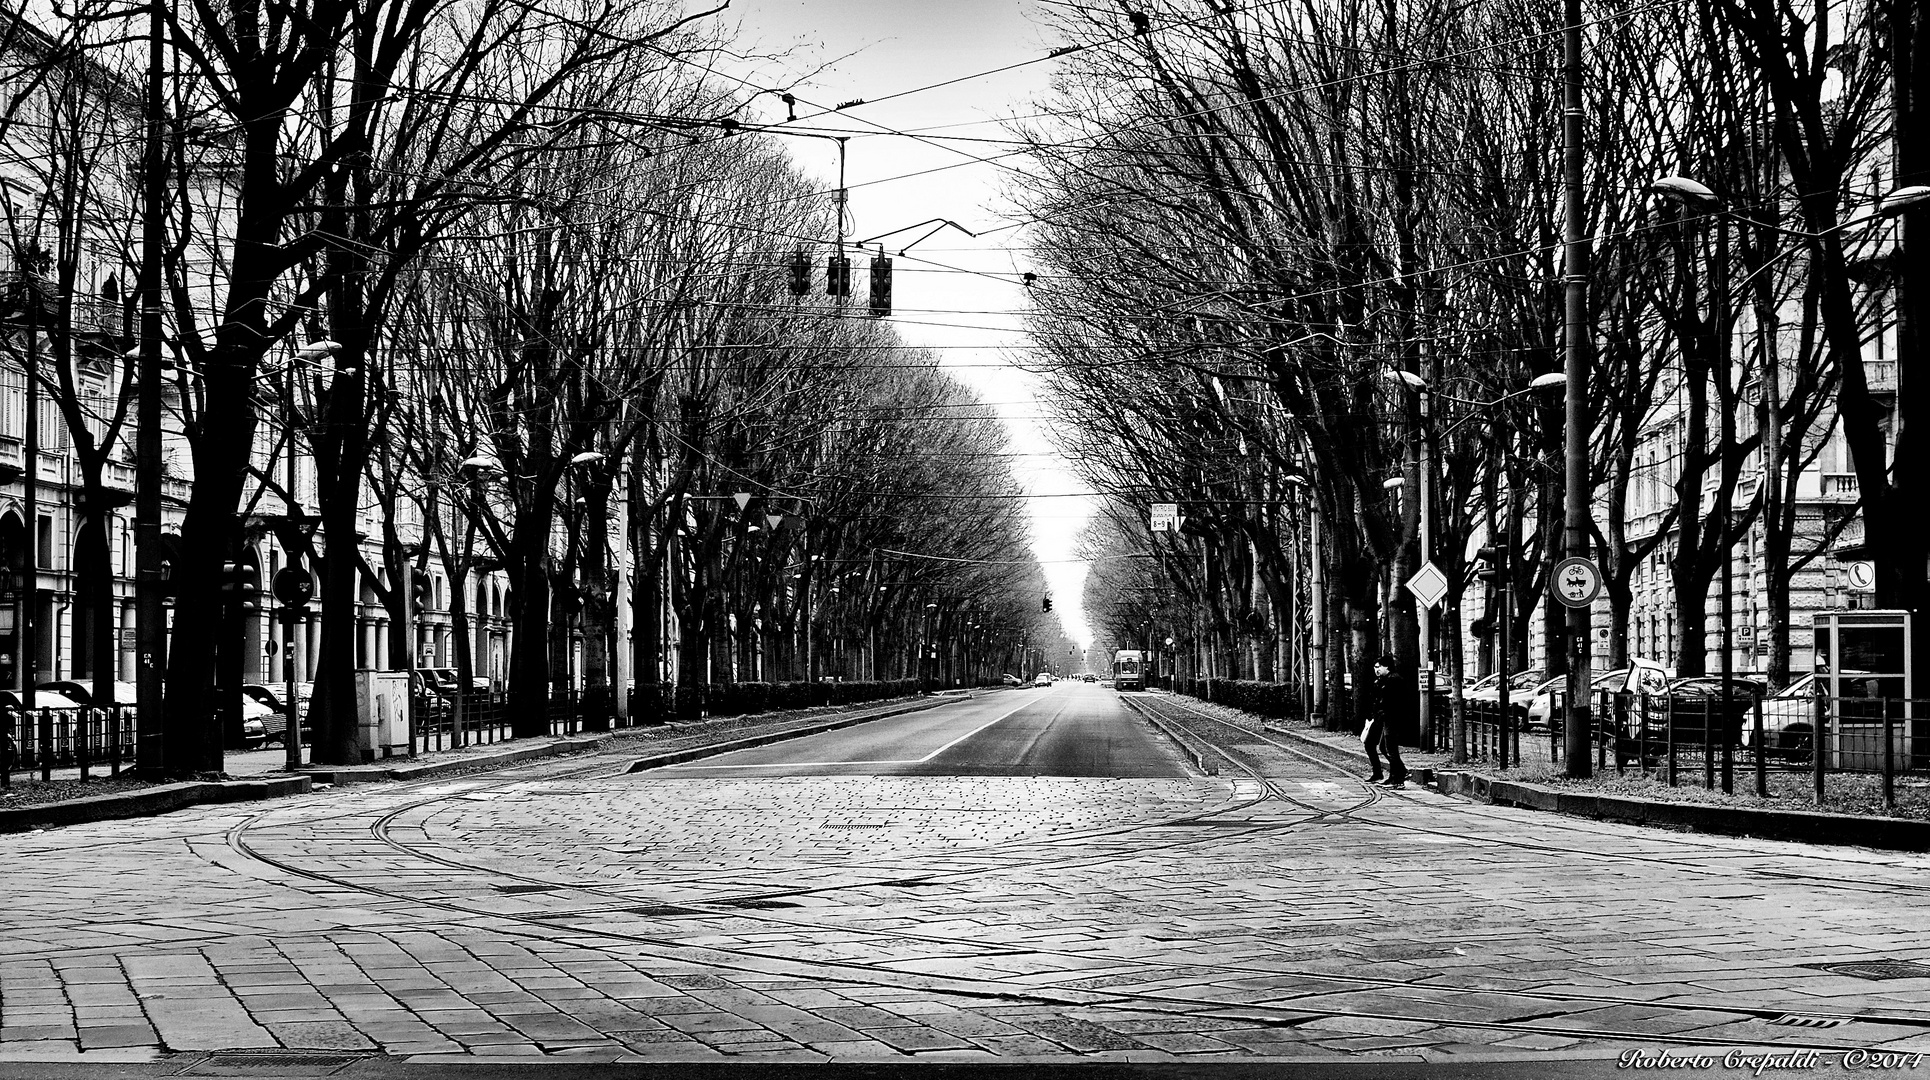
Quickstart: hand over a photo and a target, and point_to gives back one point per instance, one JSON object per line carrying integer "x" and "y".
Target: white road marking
{"x": 865, "y": 761}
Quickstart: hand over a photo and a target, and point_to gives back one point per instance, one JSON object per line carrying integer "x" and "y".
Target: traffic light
{"x": 837, "y": 276}
{"x": 1496, "y": 568}
{"x": 800, "y": 272}
{"x": 1046, "y": 604}
{"x": 880, "y": 285}
{"x": 241, "y": 585}
{"x": 419, "y": 589}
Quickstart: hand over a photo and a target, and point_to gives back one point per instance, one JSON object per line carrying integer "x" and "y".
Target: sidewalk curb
{"x": 678, "y": 757}
{"x": 1812, "y": 827}
{"x": 169, "y": 797}
{"x": 375, "y": 774}
{"x": 157, "y": 800}
{"x": 1806, "y": 826}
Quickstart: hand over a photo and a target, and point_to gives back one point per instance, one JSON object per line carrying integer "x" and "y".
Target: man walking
{"x": 1384, "y": 702}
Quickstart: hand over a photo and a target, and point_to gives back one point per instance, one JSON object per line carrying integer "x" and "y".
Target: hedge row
{"x": 1278, "y": 701}
{"x": 691, "y": 702}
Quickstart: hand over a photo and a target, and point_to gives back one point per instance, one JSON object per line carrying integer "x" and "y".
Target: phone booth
{"x": 1862, "y": 668}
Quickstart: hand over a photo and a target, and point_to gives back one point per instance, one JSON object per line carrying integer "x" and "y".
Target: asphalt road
{"x": 1067, "y": 729}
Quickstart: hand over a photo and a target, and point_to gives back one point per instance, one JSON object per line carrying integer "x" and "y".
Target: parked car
{"x": 1012, "y": 680}
{"x": 1487, "y": 691}
{"x": 270, "y": 696}
{"x": 1788, "y": 721}
{"x": 80, "y": 692}
{"x": 441, "y": 681}
{"x": 43, "y": 699}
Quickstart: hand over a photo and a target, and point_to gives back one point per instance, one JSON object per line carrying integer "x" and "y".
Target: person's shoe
{"x": 1396, "y": 782}
{"x": 1375, "y": 780}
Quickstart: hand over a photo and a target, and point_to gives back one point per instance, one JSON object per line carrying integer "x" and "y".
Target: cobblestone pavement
{"x": 565, "y": 911}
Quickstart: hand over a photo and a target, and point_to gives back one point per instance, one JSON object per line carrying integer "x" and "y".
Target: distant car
{"x": 1012, "y": 680}
{"x": 1090, "y": 677}
{"x": 1043, "y": 679}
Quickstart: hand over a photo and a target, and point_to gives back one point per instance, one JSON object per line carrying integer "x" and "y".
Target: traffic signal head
{"x": 880, "y": 285}
{"x": 1046, "y": 604}
{"x": 800, "y": 273}
{"x": 1494, "y": 570}
{"x": 419, "y": 589}
{"x": 837, "y": 276}
{"x": 241, "y": 585}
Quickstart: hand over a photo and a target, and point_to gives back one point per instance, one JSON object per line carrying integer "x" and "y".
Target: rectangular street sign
{"x": 1165, "y": 517}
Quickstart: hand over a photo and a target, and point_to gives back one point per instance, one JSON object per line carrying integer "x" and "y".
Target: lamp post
{"x": 1691, "y": 194}
{"x": 928, "y": 654}
{"x": 292, "y": 585}
{"x": 1426, "y": 438}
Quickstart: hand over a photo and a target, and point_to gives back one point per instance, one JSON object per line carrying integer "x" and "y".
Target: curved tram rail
{"x": 583, "y": 905}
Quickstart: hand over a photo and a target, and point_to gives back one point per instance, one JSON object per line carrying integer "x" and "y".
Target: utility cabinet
{"x": 382, "y": 711}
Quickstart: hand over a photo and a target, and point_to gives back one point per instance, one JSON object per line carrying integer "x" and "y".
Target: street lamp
{"x": 1695, "y": 195}
{"x": 930, "y": 655}
{"x": 1425, "y": 496}
{"x": 289, "y": 588}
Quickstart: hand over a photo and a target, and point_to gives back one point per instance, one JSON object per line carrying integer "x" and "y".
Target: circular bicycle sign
{"x": 1577, "y": 582}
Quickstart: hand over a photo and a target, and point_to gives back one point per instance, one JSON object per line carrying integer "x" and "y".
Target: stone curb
{"x": 367, "y": 774}
{"x": 156, "y": 800}
{"x": 678, "y": 757}
{"x": 1807, "y": 826}
{"x": 1813, "y": 827}
{"x": 165, "y": 798}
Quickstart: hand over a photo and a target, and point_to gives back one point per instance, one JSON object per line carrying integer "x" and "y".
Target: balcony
{"x": 1838, "y": 485}
{"x": 1881, "y": 376}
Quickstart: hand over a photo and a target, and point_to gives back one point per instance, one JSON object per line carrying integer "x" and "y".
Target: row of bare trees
{"x": 1296, "y": 249}
{"x": 551, "y": 277}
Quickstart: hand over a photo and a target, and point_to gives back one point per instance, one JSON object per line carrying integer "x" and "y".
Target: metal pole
{"x": 1728, "y": 555}
{"x": 291, "y": 708}
{"x": 150, "y": 616}
{"x": 1317, "y": 590}
{"x": 1424, "y": 612}
{"x": 1576, "y": 345}
{"x": 29, "y": 665}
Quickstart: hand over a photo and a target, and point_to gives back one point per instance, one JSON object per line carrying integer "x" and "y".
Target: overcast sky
{"x": 952, "y": 292}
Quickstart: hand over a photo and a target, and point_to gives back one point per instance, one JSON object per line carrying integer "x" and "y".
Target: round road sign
{"x": 1577, "y": 582}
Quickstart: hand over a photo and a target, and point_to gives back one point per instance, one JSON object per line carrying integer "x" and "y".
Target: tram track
{"x": 1590, "y": 829}
{"x": 570, "y": 920}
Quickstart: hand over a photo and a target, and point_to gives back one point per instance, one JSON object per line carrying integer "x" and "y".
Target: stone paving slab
{"x": 1062, "y": 914}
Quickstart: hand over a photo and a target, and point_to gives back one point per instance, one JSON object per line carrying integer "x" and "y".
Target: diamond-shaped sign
{"x": 1428, "y": 584}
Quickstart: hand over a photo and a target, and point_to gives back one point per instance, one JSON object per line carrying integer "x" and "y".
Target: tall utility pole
{"x": 150, "y": 616}
{"x": 1575, "y": 363}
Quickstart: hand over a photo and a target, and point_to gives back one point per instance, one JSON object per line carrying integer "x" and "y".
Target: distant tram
{"x": 1129, "y": 670}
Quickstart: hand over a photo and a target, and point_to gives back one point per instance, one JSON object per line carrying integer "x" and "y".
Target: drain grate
{"x": 1798, "y": 1020}
{"x": 1877, "y": 969}
{"x": 667, "y": 911}
{"x": 527, "y": 888}
{"x": 755, "y": 905}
